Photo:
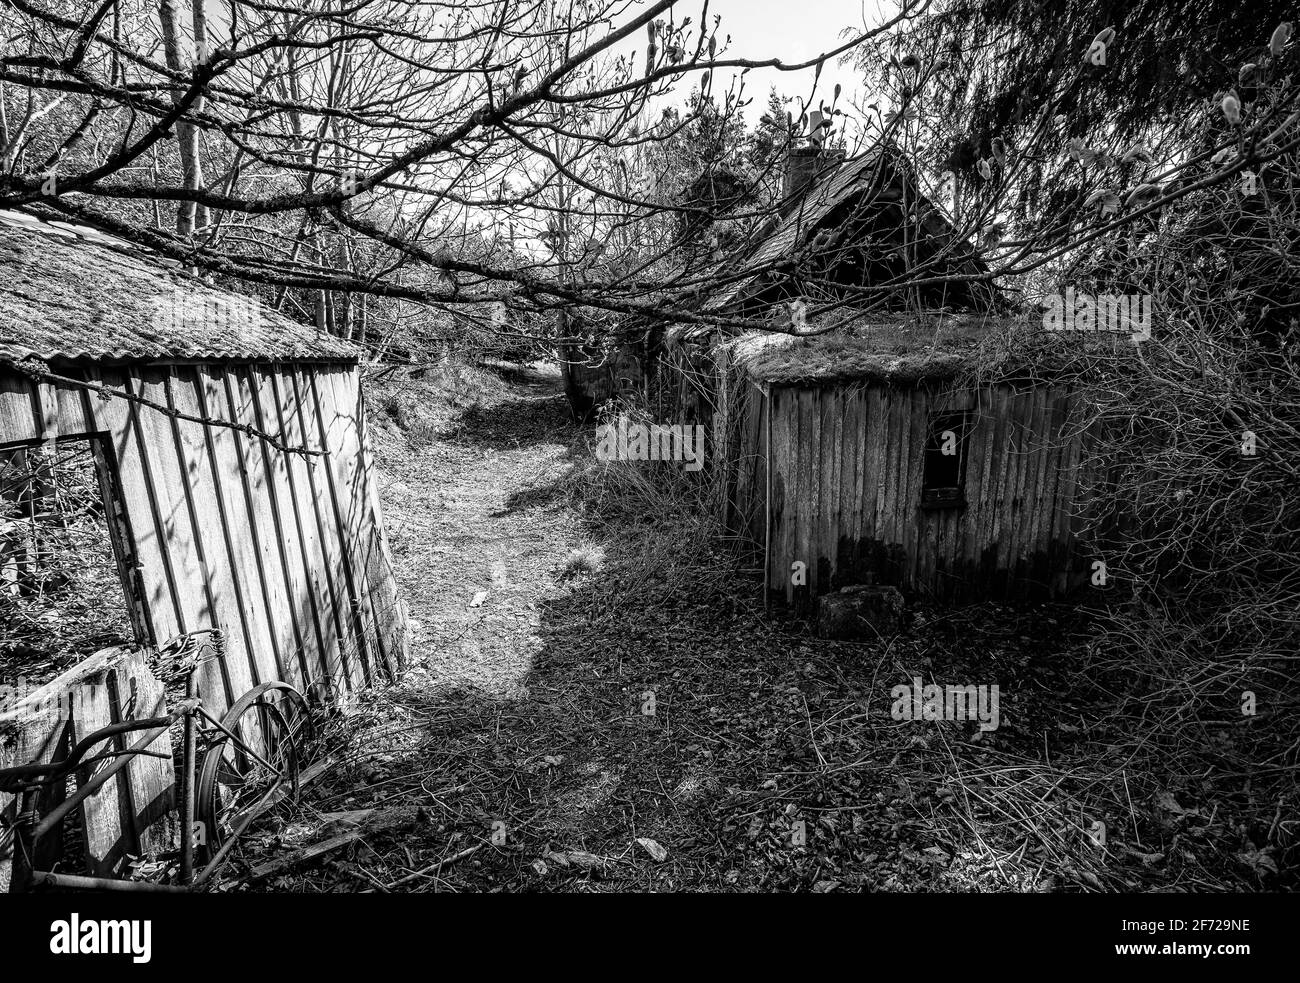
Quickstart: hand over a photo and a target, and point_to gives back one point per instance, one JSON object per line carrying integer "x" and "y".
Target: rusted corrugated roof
{"x": 70, "y": 292}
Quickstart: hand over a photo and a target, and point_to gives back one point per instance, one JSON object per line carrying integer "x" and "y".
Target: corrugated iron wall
{"x": 847, "y": 473}
{"x": 285, "y": 552}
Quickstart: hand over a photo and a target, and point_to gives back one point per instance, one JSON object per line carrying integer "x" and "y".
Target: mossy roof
{"x": 908, "y": 349}
{"x": 73, "y": 293}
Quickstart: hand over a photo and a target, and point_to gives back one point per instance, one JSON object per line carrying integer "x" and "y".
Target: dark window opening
{"x": 61, "y": 589}
{"x": 946, "y": 445}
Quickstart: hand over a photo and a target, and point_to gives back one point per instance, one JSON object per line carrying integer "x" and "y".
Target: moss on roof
{"x": 73, "y": 293}
{"x": 907, "y": 350}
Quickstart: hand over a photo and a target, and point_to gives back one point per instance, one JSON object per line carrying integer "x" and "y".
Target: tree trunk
{"x": 188, "y": 215}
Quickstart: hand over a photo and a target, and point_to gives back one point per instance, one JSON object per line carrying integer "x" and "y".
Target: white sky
{"x": 793, "y": 31}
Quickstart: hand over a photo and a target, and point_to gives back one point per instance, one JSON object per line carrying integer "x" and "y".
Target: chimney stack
{"x": 816, "y": 132}
{"x": 804, "y": 165}
{"x": 801, "y": 165}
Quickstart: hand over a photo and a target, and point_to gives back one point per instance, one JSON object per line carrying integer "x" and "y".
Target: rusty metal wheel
{"x": 255, "y": 768}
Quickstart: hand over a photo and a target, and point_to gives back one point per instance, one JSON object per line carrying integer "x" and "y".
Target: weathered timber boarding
{"x": 829, "y": 453}
{"x": 232, "y": 455}
{"x": 135, "y": 812}
{"x": 45, "y": 734}
{"x": 595, "y": 371}
{"x": 928, "y": 438}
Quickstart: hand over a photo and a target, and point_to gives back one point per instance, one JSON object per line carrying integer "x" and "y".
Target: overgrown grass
{"x": 758, "y": 727}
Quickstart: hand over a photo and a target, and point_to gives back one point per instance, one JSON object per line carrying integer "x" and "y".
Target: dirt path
{"x": 475, "y": 559}
{"x": 567, "y": 731}
{"x": 640, "y": 722}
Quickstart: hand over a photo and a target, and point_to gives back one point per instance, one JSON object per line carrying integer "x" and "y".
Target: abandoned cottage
{"x": 927, "y": 439}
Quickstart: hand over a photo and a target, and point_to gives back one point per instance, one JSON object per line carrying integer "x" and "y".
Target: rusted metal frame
{"x": 187, "y": 774}
{"x": 235, "y": 737}
{"x": 237, "y": 830}
{"x": 72, "y": 761}
{"x": 110, "y": 755}
{"x": 55, "y": 816}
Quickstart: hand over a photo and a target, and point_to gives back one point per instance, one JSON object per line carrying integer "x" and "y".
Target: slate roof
{"x": 798, "y": 225}
{"x": 73, "y": 293}
{"x": 812, "y": 209}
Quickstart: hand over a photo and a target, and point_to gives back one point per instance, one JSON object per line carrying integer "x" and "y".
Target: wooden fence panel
{"x": 134, "y": 812}
{"x": 105, "y": 836}
{"x": 45, "y": 736}
{"x": 37, "y": 731}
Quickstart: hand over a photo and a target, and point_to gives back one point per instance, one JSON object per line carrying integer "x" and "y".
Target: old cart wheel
{"x": 271, "y": 725}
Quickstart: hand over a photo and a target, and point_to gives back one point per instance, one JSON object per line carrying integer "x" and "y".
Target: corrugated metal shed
{"x": 71, "y": 293}
{"x": 231, "y": 452}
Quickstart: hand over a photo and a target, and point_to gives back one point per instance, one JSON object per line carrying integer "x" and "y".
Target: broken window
{"x": 946, "y": 444}
{"x": 61, "y": 594}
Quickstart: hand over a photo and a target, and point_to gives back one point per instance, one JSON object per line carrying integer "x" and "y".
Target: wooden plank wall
{"x": 847, "y": 473}
{"x": 283, "y": 551}
{"x": 41, "y": 737}
{"x": 134, "y": 813}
